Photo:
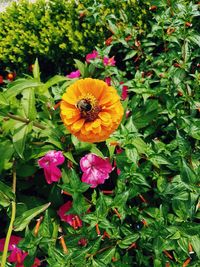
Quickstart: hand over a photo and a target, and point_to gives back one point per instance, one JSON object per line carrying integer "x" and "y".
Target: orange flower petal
{"x": 77, "y": 125}
{"x": 97, "y": 123}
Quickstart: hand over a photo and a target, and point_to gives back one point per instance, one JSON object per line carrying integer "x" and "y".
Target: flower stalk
{"x": 26, "y": 121}
{"x": 13, "y": 214}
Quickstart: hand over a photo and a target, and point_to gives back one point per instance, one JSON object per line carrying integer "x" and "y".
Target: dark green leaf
{"x": 36, "y": 70}
{"x": 19, "y": 137}
{"x": 28, "y": 103}
{"x": 22, "y": 221}
{"x": 187, "y": 174}
{"x": 18, "y": 86}
{"x": 127, "y": 241}
{"x": 6, "y": 195}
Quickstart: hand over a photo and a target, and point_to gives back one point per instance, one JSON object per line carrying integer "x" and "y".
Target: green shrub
{"x": 57, "y": 31}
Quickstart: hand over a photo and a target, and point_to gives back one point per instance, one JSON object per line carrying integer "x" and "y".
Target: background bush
{"x": 57, "y": 31}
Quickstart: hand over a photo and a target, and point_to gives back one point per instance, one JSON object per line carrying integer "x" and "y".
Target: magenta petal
{"x": 102, "y": 165}
{"x": 94, "y": 177}
{"x": 95, "y": 169}
{"x": 49, "y": 163}
{"x": 60, "y": 158}
{"x": 92, "y": 55}
{"x": 52, "y": 174}
{"x": 124, "y": 94}
{"x": 55, "y": 157}
{"x": 63, "y": 209}
{"x": 108, "y": 81}
{"x": 74, "y": 74}
{"x": 16, "y": 255}
{"x": 67, "y": 217}
{"x": 86, "y": 162}
{"x": 36, "y": 262}
{"x": 42, "y": 162}
{"x": 14, "y": 240}
{"x": 51, "y": 158}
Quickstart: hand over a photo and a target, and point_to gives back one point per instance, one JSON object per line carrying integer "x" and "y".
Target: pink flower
{"x": 49, "y": 163}
{"x": 95, "y": 169}
{"x": 17, "y": 255}
{"x": 109, "y": 61}
{"x": 71, "y": 219}
{"x": 124, "y": 94}
{"x": 83, "y": 242}
{"x": 92, "y": 55}
{"x": 1, "y": 79}
{"x": 74, "y": 74}
{"x": 108, "y": 81}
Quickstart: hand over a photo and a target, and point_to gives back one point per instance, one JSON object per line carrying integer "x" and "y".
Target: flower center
{"x": 88, "y": 106}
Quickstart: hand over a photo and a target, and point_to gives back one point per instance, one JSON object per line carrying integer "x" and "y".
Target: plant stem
{"x": 13, "y": 204}
{"x": 26, "y": 121}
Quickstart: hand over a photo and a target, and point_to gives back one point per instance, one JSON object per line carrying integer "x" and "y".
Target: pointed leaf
{"x": 19, "y": 85}
{"x": 36, "y": 70}
{"x": 106, "y": 257}
{"x": 81, "y": 66}
{"x": 19, "y": 137}
{"x": 55, "y": 80}
{"x": 22, "y": 221}
{"x": 187, "y": 174}
{"x": 6, "y": 195}
{"x": 28, "y": 103}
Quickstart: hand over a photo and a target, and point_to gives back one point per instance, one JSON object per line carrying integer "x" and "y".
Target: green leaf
{"x": 96, "y": 245}
{"x": 3, "y": 100}
{"x": 28, "y": 103}
{"x": 183, "y": 145}
{"x": 54, "y": 80}
{"x": 140, "y": 145}
{"x": 112, "y": 27}
{"x": 187, "y": 174}
{"x": 101, "y": 207}
{"x": 80, "y": 146}
{"x": 157, "y": 263}
{"x": 130, "y": 54}
{"x": 69, "y": 156}
{"x": 195, "y": 38}
{"x": 46, "y": 228}
{"x": 132, "y": 154}
{"x": 79, "y": 204}
{"x": 158, "y": 160}
{"x": 106, "y": 257}
{"x": 127, "y": 241}
{"x": 81, "y": 66}
{"x": 6, "y": 195}
{"x": 195, "y": 241}
{"x": 19, "y": 137}
{"x": 98, "y": 263}
{"x": 142, "y": 117}
{"x": 36, "y": 70}
{"x": 120, "y": 199}
{"x": 19, "y": 85}
{"x": 6, "y": 152}
{"x": 181, "y": 208}
{"x": 96, "y": 151}
{"x": 139, "y": 179}
{"x": 29, "y": 260}
{"x": 22, "y": 221}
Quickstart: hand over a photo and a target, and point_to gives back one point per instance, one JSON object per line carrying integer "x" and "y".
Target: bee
{"x": 84, "y": 105}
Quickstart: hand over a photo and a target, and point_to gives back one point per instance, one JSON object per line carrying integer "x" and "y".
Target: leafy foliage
{"x": 56, "y": 31}
{"x": 147, "y": 212}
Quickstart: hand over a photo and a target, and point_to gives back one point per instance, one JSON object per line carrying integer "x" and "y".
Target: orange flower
{"x": 91, "y": 110}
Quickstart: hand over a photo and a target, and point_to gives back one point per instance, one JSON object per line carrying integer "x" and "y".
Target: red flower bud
{"x": 153, "y": 8}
